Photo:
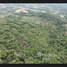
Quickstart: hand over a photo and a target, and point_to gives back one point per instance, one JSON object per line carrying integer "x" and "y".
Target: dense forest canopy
{"x": 36, "y": 37}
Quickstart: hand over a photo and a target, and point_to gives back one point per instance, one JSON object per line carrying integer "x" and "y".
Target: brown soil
{"x": 2, "y": 16}
{"x": 66, "y": 32}
{"x": 21, "y": 10}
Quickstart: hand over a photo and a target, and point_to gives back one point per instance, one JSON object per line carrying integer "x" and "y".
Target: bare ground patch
{"x": 24, "y": 46}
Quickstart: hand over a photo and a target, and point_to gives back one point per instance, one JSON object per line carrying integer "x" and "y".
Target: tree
{"x": 22, "y": 59}
{"x": 17, "y": 60}
{"x": 3, "y": 54}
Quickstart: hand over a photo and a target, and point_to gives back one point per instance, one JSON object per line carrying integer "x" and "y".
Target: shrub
{"x": 22, "y": 59}
{"x": 15, "y": 55}
{"x": 3, "y": 54}
{"x": 17, "y": 60}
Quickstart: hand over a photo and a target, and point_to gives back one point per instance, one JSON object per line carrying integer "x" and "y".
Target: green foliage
{"x": 26, "y": 34}
{"x": 22, "y": 59}
{"x": 3, "y": 54}
{"x": 17, "y": 60}
{"x": 15, "y": 55}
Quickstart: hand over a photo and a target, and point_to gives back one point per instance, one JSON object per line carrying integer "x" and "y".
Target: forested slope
{"x": 24, "y": 35}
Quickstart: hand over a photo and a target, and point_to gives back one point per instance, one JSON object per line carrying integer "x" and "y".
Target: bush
{"x": 20, "y": 62}
{"x": 24, "y": 43}
{"x": 3, "y": 54}
{"x": 15, "y": 55}
{"x": 22, "y": 59}
{"x": 17, "y": 60}
{"x": 47, "y": 60}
